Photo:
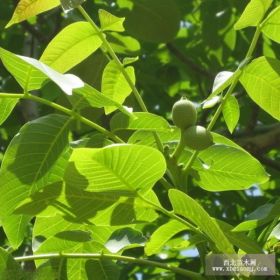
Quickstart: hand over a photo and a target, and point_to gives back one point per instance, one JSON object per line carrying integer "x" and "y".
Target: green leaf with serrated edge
{"x": 6, "y": 107}
{"x": 115, "y": 168}
{"x": 21, "y": 178}
{"x": 231, "y": 113}
{"x": 28, "y": 8}
{"x": 261, "y": 79}
{"x": 239, "y": 239}
{"x": 271, "y": 24}
{"x": 9, "y": 268}
{"x": 114, "y": 84}
{"x": 123, "y": 239}
{"x": 141, "y": 121}
{"x": 31, "y": 73}
{"x": 109, "y": 22}
{"x": 253, "y": 13}
{"x": 161, "y": 235}
{"x": 227, "y": 168}
{"x": 187, "y": 207}
{"x": 98, "y": 100}
{"x": 262, "y": 215}
{"x": 102, "y": 270}
{"x": 64, "y": 51}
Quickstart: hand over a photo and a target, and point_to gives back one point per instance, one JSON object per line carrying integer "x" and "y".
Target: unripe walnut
{"x": 197, "y": 138}
{"x": 184, "y": 114}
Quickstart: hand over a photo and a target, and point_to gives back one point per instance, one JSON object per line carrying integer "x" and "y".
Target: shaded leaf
{"x": 115, "y": 167}
{"x": 102, "y": 270}
{"x": 262, "y": 215}
{"x": 98, "y": 100}
{"x": 9, "y": 268}
{"x": 239, "y": 239}
{"x": 153, "y": 21}
{"x": 140, "y": 121}
{"x": 123, "y": 239}
{"x": 46, "y": 141}
{"x": 271, "y": 25}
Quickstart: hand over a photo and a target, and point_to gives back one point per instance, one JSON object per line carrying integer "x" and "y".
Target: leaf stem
{"x": 170, "y": 214}
{"x": 114, "y": 57}
{"x": 237, "y": 75}
{"x": 184, "y": 272}
{"x": 121, "y": 67}
{"x": 64, "y": 110}
{"x": 180, "y": 147}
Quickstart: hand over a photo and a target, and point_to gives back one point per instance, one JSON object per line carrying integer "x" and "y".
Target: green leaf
{"x": 227, "y": 168}
{"x": 271, "y": 24}
{"x": 28, "y": 8}
{"x": 262, "y": 215}
{"x": 98, "y": 100}
{"x": 115, "y": 85}
{"x": 9, "y": 268}
{"x": 71, "y": 46}
{"x": 253, "y": 13}
{"x": 153, "y": 21}
{"x": 261, "y": 79}
{"x": 239, "y": 239}
{"x": 187, "y": 207}
{"x": 123, "y": 44}
{"x": 110, "y": 22}
{"x": 31, "y": 73}
{"x": 78, "y": 205}
{"x": 21, "y": 177}
{"x": 161, "y": 236}
{"x": 231, "y": 113}
{"x": 115, "y": 168}
{"x": 102, "y": 270}
{"x": 124, "y": 239}
{"x": 140, "y": 121}
{"x": 6, "y": 107}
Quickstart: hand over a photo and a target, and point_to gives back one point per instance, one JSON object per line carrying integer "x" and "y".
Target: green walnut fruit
{"x": 197, "y": 138}
{"x": 184, "y": 114}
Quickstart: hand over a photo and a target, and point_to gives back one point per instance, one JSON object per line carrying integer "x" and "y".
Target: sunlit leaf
{"x": 116, "y": 167}
{"x": 231, "y": 113}
{"x": 28, "y": 8}
{"x": 190, "y": 209}
{"x": 115, "y": 85}
{"x": 253, "y": 13}
{"x": 6, "y": 107}
{"x": 227, "y": 168}
{"x": 71, "y": 46}
{"x": 261, "y": 79}
{"x": 110, "y": 22}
